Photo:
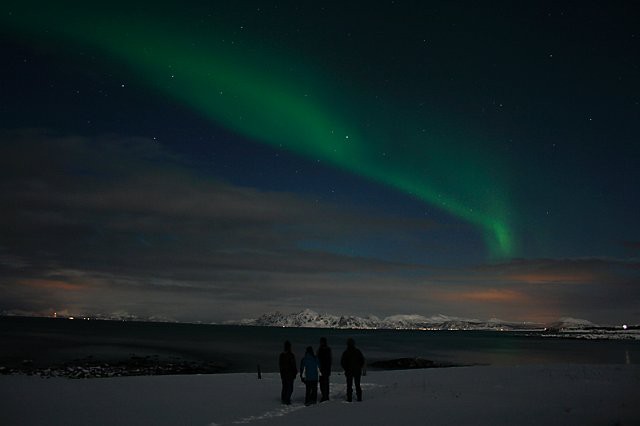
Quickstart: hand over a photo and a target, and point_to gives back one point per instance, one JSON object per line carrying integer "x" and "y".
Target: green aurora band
{"x": 253, "y": 92}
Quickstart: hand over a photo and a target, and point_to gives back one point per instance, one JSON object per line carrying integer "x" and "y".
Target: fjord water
{"x": 48, "y": 342}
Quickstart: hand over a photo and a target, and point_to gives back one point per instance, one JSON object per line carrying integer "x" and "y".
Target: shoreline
{"x": 91, "y": 367}
{"x": 152, "y": 365}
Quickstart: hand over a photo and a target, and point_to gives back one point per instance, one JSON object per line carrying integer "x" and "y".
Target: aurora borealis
{"x": 401, "y": 135}
{"x": 264, "y": 103}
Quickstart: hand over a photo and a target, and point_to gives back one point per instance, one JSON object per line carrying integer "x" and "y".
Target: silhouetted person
{"x": 324, "y": 359}
{"x": 288, "y": 372}
{"x": 309, "y": 375}
{"x": 352, "y": 362}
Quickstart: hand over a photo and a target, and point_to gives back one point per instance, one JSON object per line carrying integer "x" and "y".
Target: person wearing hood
{"x": 309, "y": 375}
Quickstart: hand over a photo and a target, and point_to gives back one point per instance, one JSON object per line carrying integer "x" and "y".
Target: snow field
{"x": 520, "y": 395}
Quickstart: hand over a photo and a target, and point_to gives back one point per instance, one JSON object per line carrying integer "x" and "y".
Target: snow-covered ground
{"x": 521, "y": 395}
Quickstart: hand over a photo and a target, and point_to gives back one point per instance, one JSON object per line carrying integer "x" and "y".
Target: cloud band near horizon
{"x": 112, "y": 224}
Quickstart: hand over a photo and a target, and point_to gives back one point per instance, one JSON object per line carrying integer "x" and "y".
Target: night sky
{"x": 209, "y": 161}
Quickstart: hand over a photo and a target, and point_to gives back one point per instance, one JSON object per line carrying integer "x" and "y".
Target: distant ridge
{"x": 565, "y": 327}
{"x": 308, "y": 318}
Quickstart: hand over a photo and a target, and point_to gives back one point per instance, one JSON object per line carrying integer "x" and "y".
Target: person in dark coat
{"x": 309, "y": 375}
{"x": 352, "y": 362}
{"x": 324, "y": 359}
{"x": 288, "y": 372}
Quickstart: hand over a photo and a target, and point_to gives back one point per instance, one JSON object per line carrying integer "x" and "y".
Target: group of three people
{"x": 314, "y": 369}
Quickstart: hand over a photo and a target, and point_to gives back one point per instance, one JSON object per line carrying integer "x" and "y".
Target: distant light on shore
{"x": 624, "y": 326}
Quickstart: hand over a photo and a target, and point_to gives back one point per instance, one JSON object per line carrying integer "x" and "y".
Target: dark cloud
{"x": 120, "y": 224}
{"x": 633, "y": 246}
{"x": 121, "y": 219}
{"x": 604, "y": 290}
{"x": 560, "y": 271}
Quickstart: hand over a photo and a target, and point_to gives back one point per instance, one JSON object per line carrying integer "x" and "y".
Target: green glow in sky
{"x": 255, "y": 93}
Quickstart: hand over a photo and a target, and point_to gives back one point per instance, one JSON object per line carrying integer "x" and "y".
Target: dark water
{"x": 51, "y": 341}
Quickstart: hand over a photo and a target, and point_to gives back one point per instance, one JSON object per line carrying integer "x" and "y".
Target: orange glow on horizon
{"x": 50, "y": 284}
{"x": 492, "y": 295}
{"x": 489, "y": 295}
{"x": 503, "y": 303}
{"x": 551, "y": 278}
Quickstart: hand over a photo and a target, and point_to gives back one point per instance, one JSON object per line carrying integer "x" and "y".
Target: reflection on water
{"x": 47, "y": 341}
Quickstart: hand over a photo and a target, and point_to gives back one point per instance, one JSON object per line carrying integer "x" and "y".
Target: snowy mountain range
{"x": 311, "y": 319}
{"x": 565, "y": 327}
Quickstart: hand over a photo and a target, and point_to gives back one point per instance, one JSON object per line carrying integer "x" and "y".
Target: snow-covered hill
{"x": 572, "y": 323}
{"x": 311, "y": 319}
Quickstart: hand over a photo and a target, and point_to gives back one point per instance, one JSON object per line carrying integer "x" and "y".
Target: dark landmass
{"x": 135, "y": 366}
{"x": 408, "y": 364}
